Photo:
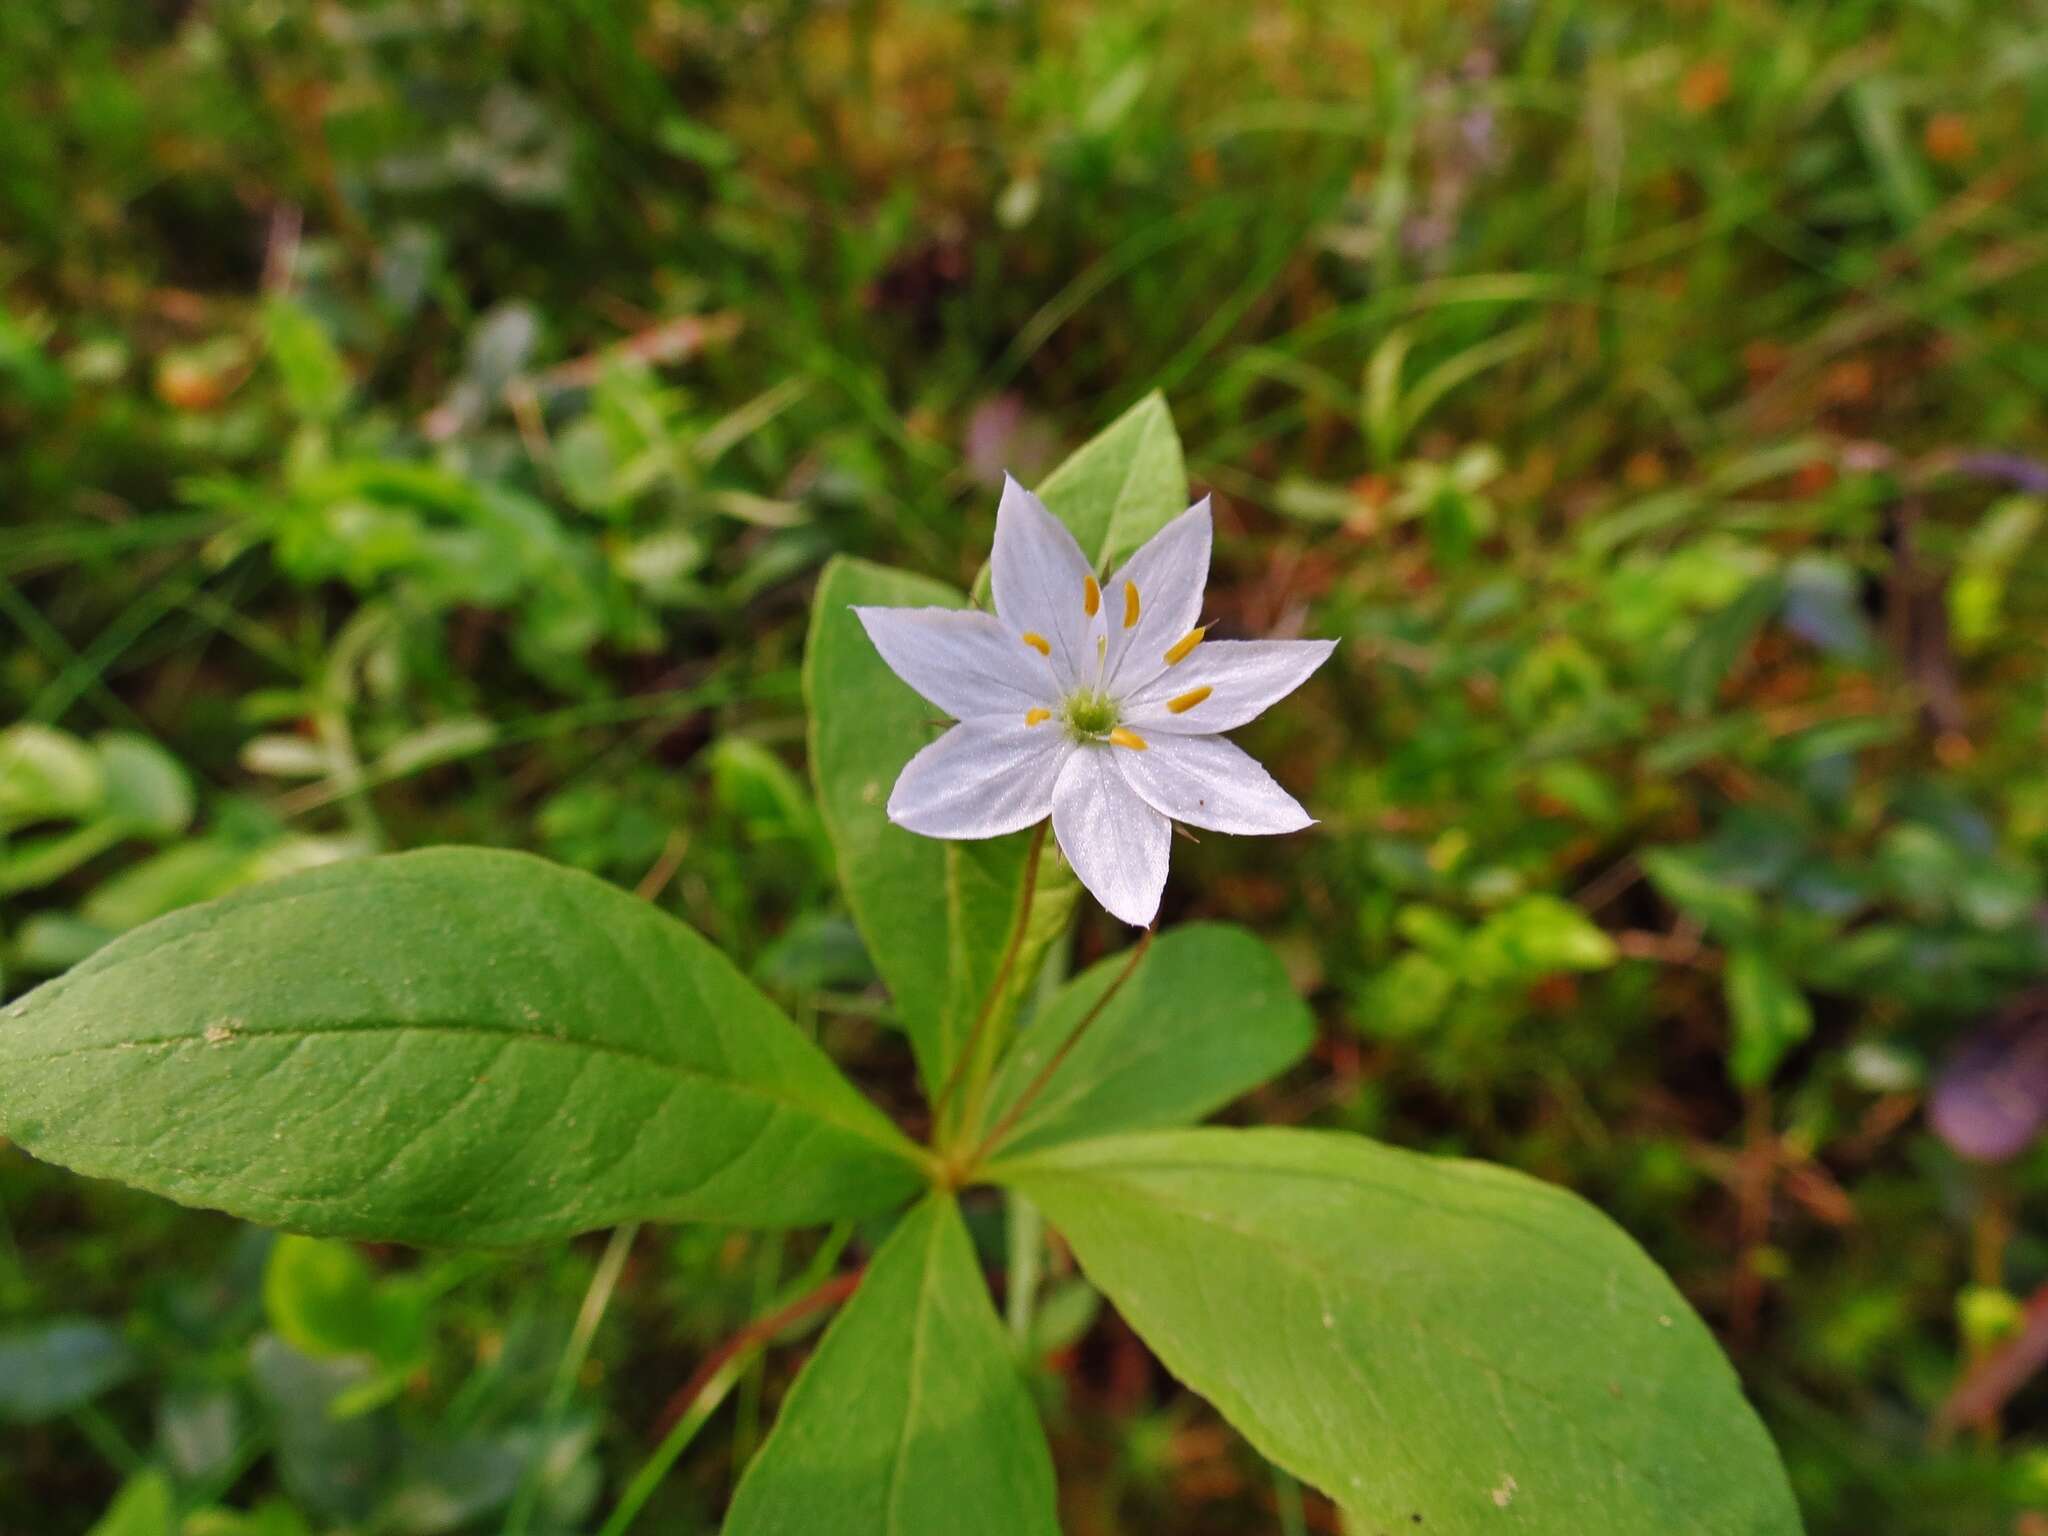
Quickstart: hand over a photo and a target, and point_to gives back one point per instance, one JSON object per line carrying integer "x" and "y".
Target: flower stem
{"x": 972, "y": 1048}
{"x": 1058, "y": 1058}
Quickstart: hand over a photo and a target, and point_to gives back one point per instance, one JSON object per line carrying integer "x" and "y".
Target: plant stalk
{"x": 1058, "y": 1058}
{"x": 971, "y": 1049}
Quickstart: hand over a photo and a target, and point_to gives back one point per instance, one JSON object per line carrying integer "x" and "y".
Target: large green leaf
{"x": 936, "y": 915}
{"x": 457, "y": 1045}
{"x": 1440, "y": 1346}
{"x": 1121, "y": 486}
{"x": 1209, "y": 1014}
{"x": 911, "y": 1418}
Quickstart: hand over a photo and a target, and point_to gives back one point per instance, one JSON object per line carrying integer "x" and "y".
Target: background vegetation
{"x": 421, "y": 421}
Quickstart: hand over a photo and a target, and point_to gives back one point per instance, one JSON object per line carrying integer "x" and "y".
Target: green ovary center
{"x": 1089, "y": 715}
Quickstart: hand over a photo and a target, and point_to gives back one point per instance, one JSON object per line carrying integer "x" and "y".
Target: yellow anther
{"x": 1091, "y": 597}
{"x": 1188, "y": 700}
{"x": 1121, "y": 737}
{"x": 1037, "y": 716}
{"x": 1130, "y": 604}
{"x": 1177, "y": 652}
{"x": 1038, "y": 642}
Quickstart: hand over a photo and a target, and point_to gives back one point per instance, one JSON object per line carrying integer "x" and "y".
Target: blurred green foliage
{"x": 420, "y": 421}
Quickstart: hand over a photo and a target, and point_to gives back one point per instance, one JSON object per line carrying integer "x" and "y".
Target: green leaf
{"x": 1877, "y": 110}
{"x": 935, "y": 915}
{"x": 447, "y": 1487}
{"x": 331, "y": 1463}
{"x": 272, "y": 1517}
{"x": 911, "y": 1417}
{"x": 1684, "y": 878}
{"x": 1406, "y": 998}
{"x": 1208, "y": 1015}
{"x": 44, "y": 775}
{"x": 1768, "y": 1012}
{"x": 48, "y": 857}
{"x": 757, "y": 787}
{"x": 145, "y": 1506}
{"x": 51, "y": 942}
{"x": 316, "y": 381}
{"x": 458, "y": 1045}
{"x": 1977, "y": 589}
{"x": 323, "y": 1300}
{"x": 1439, "y": 1346}
{"x": 147, "y": 788}
{"x": 176, "y": 877}
{"x": 58, "y": 1365}
{"x": 1121, "y": 486}
{"x": 199, "y": 1429}
{"x": 1537, "y": 935}
{"x": 865, "y": 724}
{"x": 1720, "y": 642}
{"x": 1392, "y": 410}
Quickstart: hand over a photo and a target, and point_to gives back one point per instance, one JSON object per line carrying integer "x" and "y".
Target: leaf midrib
{"x": 1043, "y": 1162}
{"x": 916, "y": 1381}
{"x": 741, "y": 1087}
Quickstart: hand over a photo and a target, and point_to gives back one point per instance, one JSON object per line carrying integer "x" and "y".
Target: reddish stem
{"x": 1046, "y": 1073}
{"x": 760, "y": 1331}
{"x": 1002, "y": 978}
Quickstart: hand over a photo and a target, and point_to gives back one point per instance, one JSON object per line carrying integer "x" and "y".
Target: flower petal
{"x": 983, "y": 778}
{"x": 964, "y": 662}
{"x": 1117, "y": 843}
{"x": 1168, "y": 574}
{"x": 1223, "y": 683}
{"x": 1041, "y": 583}
{"x": 1206, "y": 781}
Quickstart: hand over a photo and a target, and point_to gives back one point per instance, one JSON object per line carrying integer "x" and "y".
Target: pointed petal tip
{"x": 1130, "y": 915}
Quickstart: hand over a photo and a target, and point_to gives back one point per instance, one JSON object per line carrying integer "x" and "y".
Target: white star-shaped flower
{"x": 1098, "y": 704}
